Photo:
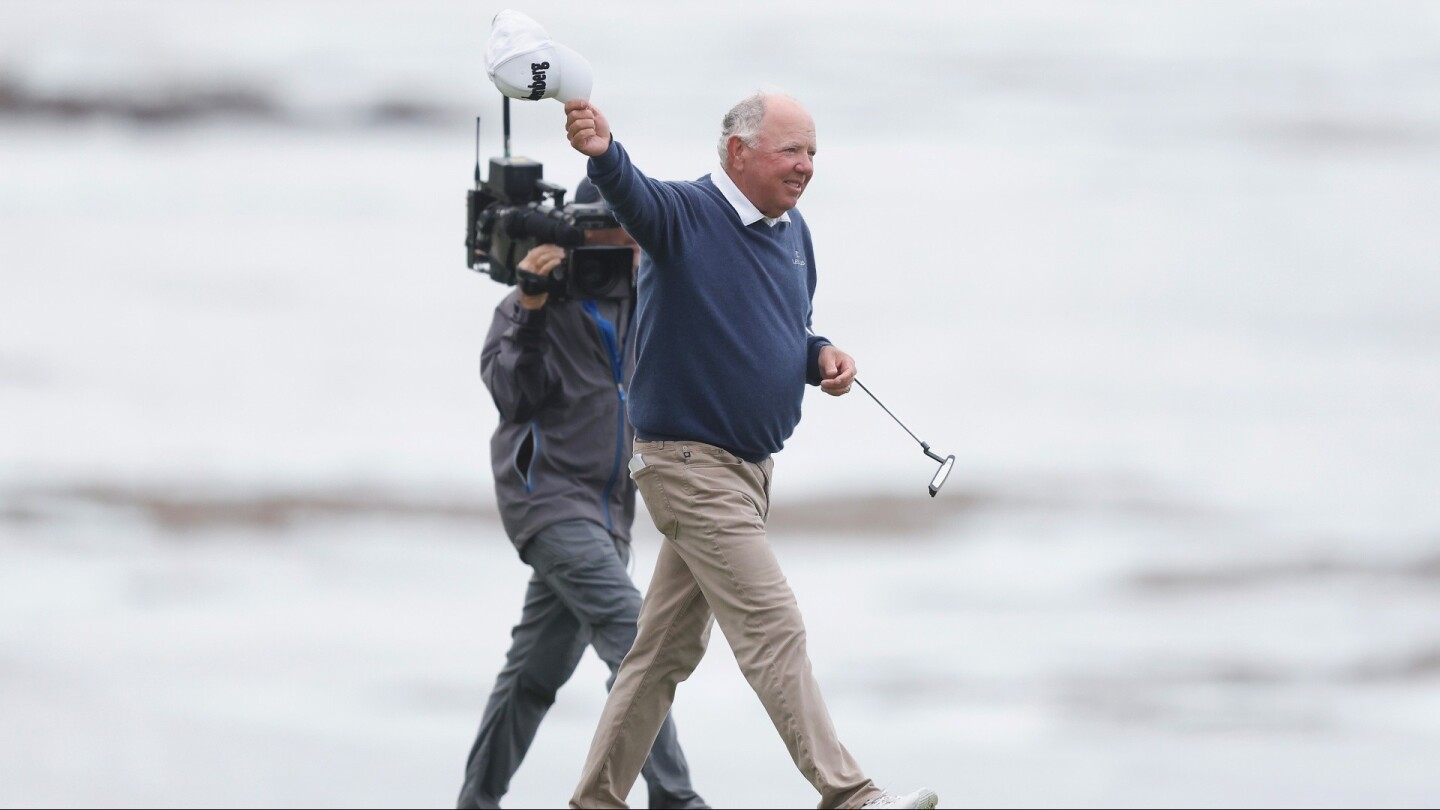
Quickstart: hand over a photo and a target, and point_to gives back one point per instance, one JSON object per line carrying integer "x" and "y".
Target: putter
{"x": 945, "y": 463}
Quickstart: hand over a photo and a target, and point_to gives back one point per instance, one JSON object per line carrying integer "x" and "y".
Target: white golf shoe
{"x": 921, "y": 799}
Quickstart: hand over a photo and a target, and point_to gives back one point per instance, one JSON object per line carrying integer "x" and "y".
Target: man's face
{"x": 774, "y": 173}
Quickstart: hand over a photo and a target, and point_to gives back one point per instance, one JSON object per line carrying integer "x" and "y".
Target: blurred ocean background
{"x": 1164, "y": 277}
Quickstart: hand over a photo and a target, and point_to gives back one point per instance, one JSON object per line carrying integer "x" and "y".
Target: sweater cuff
{"x": 812, "y": 358}
{"x": 606, "y": 163}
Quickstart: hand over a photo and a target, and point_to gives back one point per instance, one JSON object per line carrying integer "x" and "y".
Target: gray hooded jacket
{"x": 559, "y": 377}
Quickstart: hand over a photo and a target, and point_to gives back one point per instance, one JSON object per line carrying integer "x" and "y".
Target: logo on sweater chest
{"x": 799, "y": 260}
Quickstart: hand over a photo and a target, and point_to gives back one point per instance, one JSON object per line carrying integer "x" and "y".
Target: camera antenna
{"x": 477, "y": 152}
{"x": 505, "y": 106}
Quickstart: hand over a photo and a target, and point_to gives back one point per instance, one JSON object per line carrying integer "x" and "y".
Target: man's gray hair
{"x": 742, "y": 121}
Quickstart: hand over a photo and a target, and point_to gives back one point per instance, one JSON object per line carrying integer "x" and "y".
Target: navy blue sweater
{"x": 723, "y": 351}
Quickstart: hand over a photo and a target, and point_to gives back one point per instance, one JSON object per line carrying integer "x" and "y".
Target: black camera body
{"x": 516, "y": 210}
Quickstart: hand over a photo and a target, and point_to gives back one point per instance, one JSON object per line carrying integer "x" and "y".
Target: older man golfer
{"x": 724, "y": 353}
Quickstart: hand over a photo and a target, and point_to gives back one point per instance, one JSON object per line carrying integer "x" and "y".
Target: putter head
{"x": 940, "y": 476}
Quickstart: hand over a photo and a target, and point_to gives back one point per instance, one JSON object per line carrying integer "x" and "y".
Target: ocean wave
{"x": 198, "y": 507}
{"x": 178, "y": 104}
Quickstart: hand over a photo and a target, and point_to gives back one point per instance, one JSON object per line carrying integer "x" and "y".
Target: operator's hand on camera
{"x": 837, "y": 371}
{"x": 541, "y": 261}
{"x": 586, "y": 128}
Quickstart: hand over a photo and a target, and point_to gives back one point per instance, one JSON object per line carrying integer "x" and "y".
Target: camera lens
{"x": 600, "y": 272}
{"x": 590, "y": 277}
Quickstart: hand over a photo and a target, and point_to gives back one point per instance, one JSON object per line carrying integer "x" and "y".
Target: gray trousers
{"x": 579, "y": 594}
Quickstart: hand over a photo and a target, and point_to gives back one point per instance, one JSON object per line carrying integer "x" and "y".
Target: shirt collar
{"x": 744, "y": 209}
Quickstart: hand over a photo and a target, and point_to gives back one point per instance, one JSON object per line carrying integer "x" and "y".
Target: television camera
{"x": 516, "y": 210}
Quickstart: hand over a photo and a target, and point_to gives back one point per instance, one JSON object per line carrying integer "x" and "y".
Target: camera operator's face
{"x": 614, "y": 237}
{"x": 776, "y": 171}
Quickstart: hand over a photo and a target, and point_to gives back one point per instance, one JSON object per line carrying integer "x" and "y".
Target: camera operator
{"x": 558, "y": 371}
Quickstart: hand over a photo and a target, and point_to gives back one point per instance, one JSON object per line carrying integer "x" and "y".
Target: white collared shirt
{"x": 744, "y": 209}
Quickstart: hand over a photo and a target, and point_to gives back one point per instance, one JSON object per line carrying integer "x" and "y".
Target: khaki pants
{"x": 716, "y": 564}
